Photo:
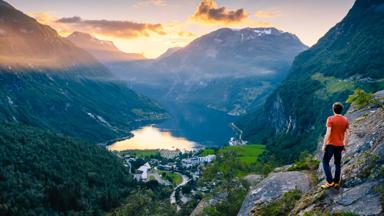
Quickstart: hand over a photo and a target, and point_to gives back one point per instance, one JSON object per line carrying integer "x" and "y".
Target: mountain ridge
{"x": 55, "y": 85}
{"x": 228, "y": 70}
{"x": 104, "y": 51}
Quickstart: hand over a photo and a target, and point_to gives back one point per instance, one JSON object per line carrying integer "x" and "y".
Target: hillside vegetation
{"x": 42, "y": 173}
{"x": 48, "y": 82}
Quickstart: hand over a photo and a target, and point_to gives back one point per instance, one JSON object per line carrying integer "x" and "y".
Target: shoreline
{"x": 130, "y": 134}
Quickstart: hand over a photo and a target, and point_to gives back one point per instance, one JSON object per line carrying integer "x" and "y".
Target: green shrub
{"x": 360, "y": 98}
{"x": 281, "y": 206}
{"x": 306, "y": 162}
{"x": 380, "y": 190}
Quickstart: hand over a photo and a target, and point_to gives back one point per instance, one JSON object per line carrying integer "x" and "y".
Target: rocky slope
{"x": 348, "y": 56}
{"x": 362, "y": 190}
{"x": 273, "y": 187}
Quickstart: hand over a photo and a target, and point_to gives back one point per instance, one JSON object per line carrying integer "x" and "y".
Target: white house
{"x": 197, "y": 160}
{"x": 144, "y": 171}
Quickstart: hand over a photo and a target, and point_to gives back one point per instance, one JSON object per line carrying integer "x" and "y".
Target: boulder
{"x": 273, "y": 187}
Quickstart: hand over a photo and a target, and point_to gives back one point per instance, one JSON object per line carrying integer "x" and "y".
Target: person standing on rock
{"x": 335, "y": 142}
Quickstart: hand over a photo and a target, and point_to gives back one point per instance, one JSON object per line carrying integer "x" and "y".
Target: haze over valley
{"x": 161, "y": 107}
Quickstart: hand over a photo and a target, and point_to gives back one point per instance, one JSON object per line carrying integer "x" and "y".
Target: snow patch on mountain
{"x": 264, "y": 31}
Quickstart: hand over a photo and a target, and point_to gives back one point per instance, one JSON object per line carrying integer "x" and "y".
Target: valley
{"x": 228, "y": 120}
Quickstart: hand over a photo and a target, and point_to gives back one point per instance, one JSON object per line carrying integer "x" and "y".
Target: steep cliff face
{"x": 362, "y": 190}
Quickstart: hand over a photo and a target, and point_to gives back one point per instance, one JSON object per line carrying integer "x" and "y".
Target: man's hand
{"x": 323, "y": 147}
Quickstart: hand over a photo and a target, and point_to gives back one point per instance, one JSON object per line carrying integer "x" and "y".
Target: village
{"x": 169, "y": 168}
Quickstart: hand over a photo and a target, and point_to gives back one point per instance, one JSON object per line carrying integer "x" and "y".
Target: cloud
{"x": 209, "y": 13}
{"x": 73, "y": 19}
{"x": 266, "y": 14}
{"x": 185, "y": 34}
{"x": 159, "y": 2}
{"x": 47, "y": 19}
{"x": 120, "y": 29}
{"x": 149, "y": 3}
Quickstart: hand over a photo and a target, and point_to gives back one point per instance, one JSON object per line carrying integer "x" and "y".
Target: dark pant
{"x": 330, "y": 151}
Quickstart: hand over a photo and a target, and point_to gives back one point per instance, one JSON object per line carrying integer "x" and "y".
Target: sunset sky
{"x": 152, "y": 26}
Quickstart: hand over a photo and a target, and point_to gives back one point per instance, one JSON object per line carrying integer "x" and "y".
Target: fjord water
{"x": 189, "y": 127}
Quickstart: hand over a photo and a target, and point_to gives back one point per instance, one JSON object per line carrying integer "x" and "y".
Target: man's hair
{"x": 337, "y": 107}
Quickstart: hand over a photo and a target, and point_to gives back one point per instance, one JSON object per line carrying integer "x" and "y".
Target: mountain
{"x": 104, "y": 51}
{"x": 48, "y": 82}
{"x": 24, "y": 43}
{"x": 229, "y": 70}
{"x": 169, "y": 52}
{"x": 350, "y": 55}
{"x": 43, "y": 173}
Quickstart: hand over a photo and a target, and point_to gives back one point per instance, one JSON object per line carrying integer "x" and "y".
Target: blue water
{"x": 198, "y": 123}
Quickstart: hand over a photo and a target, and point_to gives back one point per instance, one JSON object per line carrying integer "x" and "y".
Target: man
{"x": 335, "y": 141}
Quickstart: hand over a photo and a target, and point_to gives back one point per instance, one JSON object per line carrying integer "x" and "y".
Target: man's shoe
{"x": 336, "y": 185}
{"x": 327, "y": 185}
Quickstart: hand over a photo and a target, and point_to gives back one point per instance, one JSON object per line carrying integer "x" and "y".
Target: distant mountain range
{"x": 48, "y": 82}
{"x": 104, "y": 51}
{"x": 229, "y": 70}
{"x": 350, "y": 55}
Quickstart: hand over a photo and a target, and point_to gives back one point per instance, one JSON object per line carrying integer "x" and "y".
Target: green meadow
{"x": 245, "y": 153}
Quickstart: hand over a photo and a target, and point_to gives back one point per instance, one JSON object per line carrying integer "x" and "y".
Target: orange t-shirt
{"x": 338, "y": 124}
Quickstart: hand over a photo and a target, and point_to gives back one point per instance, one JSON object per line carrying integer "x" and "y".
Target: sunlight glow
{"x": 153, "y": 138}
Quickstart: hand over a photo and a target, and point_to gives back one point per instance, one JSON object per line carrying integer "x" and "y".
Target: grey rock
{"x": 272, "y": 187}
{"x": 361, "y": 200}
{"x": 362, "y": 166}
{"x": 253, "y": 179}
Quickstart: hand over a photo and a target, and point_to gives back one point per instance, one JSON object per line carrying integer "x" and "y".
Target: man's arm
{"x": 326, "y": 137}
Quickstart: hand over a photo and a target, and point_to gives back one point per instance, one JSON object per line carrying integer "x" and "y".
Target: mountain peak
{"x": 169, "y": 52}
{"x": 258, "y": 30}
{"x": 5, "y": 5}
{"x": 263, "y": 30}
{"x": 26, "y": 43}
{"x": 78, "y": 34}
{"x": 103, "y": 50}
{"x": 88, "y": 38}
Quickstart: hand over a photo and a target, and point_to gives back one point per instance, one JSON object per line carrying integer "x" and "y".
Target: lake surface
{"x": 188, "y": 127}
{"x": 151, "y": 137}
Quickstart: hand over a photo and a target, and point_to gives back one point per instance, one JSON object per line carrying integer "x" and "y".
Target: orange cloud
{"x": 266, "y": 14}
{"x": 185, "y": 34}
{"x": 120, "y": 29}
{"x": 47, "y": 19}
{"x": 158, "y": 2}
{"x": 209, "y": 13}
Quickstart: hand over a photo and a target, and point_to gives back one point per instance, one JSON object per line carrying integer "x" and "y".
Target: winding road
{"x": 173, "y": 195}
